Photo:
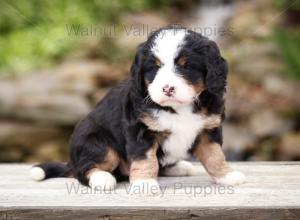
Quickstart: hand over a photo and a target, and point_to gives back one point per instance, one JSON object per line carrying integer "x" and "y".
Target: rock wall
{"x": 263, "y": 104}
{"x": 38, "y": 111}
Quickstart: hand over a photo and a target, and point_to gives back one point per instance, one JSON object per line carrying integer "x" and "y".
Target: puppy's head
{"x": 175, "y": 65}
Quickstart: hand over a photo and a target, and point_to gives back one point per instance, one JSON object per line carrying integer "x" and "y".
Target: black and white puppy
{"x": 170, "y": 107}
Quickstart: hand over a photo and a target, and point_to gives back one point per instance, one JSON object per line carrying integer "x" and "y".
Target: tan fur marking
{"x": 158, "y": 62}
{"x": 146, "y": 168}
{"x": 150, "y": 121}
{"x": 199, "y": 86}
{"x": 203, "y": 111}
{"x": 109, "y": 164}
{"x": 147, "y": 82}
{"x": 124, "y": 167}
{"x": 212, "y": 157}
{"x": 182, "y": 61}
{"x": 152, "y": 124}
{"x": 211, "y": 121}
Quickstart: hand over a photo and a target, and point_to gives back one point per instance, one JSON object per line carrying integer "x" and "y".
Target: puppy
{"x": 170, "y": 107}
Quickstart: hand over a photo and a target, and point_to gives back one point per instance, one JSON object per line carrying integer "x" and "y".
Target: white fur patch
{"x": 182, "y": 168}
{"x": 147, "y": 187}
{"x": 231, "y": 178}
{"x": 167, "y": 45}
{"x": 184, "y": 127}
{"x": 102, "y": 180}
{"x": 37, "y": 173}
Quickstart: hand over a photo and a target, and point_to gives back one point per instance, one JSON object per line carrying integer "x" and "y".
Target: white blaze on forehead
{"x": 167, "y": 44}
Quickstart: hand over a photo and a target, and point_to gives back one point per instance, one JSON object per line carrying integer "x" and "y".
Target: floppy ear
{"x": 136, "y": 66}
{"x": 217, "y": 69}
{"x": 136, "y": 91}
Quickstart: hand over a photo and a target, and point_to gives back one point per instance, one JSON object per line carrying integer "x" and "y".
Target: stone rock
{"x": 27, "y": 136}
{"x": 74, "y": 76}
{"x": 99, "y": 94}
{"x": 11, "y": 155}
{"x": 265, "y": 149}
{"x": 276, "y": 85}
{"x": 255, "y": 70}
{"x": 252, "y": 19}
{"x": 265, "y": 123}
{"x": 243, "y": 98}
{"x": 245, "y": 25}
{"x": 289, "y": 147}
{"x": 8, "y": 97}
{"x": 254, "y": 60}
{"x": 284, "y": 88}
{"x": 93, "y": 73}
{"x": 60, "y": 109}
{"x": 236, "y": 139}
{"x": 60, "y": 96}
{"x": 52, "y": 82}
{"x": 49, "y": 151}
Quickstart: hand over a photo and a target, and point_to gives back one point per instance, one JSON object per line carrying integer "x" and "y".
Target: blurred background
{"x": 59, "y": 58}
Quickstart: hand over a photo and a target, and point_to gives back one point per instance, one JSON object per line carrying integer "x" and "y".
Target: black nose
{"x": 168, "y": 90}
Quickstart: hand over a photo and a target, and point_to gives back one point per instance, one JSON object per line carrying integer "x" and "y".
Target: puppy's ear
{"x": 217, "y": 69}
{"x": 137, "y": 64}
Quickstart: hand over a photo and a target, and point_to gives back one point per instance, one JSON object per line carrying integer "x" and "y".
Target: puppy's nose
{"x": 168, "y": 90}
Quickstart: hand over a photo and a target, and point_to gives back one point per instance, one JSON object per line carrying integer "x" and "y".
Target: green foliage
{"x": 33, "y": 32}
{"x": 287, "y": 4}
{"x": 289, "y": 44}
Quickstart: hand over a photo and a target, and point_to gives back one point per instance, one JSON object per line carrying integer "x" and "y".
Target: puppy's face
{"x": 178, "y": 65}
{"x": 171, "y": 77}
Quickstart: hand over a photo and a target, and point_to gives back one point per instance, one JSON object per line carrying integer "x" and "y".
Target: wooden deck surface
{"x": 272, "y": 191}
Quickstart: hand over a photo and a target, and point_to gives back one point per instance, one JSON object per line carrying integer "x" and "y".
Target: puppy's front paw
{"x": 102, "y": 180}
{"x": 147, "y": 187}
{"x": 231, "y": 178}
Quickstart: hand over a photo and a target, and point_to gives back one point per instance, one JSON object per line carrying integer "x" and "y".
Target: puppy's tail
{"x": 49, "y": 170}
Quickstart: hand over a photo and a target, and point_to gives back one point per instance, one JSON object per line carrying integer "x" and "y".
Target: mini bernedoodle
{"x": 170, "y": 107}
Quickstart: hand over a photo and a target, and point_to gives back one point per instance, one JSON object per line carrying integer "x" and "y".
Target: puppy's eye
{"x": 158, "y": 63}
{"x": 182, "y": 61}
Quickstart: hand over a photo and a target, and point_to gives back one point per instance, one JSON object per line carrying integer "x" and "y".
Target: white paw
{"x": 102, "y": 180}
{"x": 37, "y": 173}
{"x": 148, "y": 187}
{"x": 231, "y": 178}
{"x": 182, "y": 168}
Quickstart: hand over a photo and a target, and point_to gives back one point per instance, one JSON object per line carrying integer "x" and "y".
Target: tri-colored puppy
{"x": 170, "y": 107}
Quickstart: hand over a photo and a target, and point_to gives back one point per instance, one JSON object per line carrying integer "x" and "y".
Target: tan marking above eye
{"x": 158, "y": 62}
{"x": 182, "y": 61}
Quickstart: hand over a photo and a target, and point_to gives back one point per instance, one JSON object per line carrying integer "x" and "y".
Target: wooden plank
{"x": 153, "y": 213}
{"x": 272, "y": 191}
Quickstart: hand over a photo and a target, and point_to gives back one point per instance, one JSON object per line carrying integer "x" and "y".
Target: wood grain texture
{"x": 272, "y": 191}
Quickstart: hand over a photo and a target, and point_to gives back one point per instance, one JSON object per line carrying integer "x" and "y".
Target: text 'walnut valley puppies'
{"x": 170, "y": 107}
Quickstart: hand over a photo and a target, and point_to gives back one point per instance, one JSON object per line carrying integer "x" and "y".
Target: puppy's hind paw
{"x": 102, "y": 180}
{"x": 231, "y": 178}
{"x": 182, "y": 168}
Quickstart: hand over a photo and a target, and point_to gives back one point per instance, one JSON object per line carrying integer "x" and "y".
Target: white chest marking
{"x": 184, "y": 127}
